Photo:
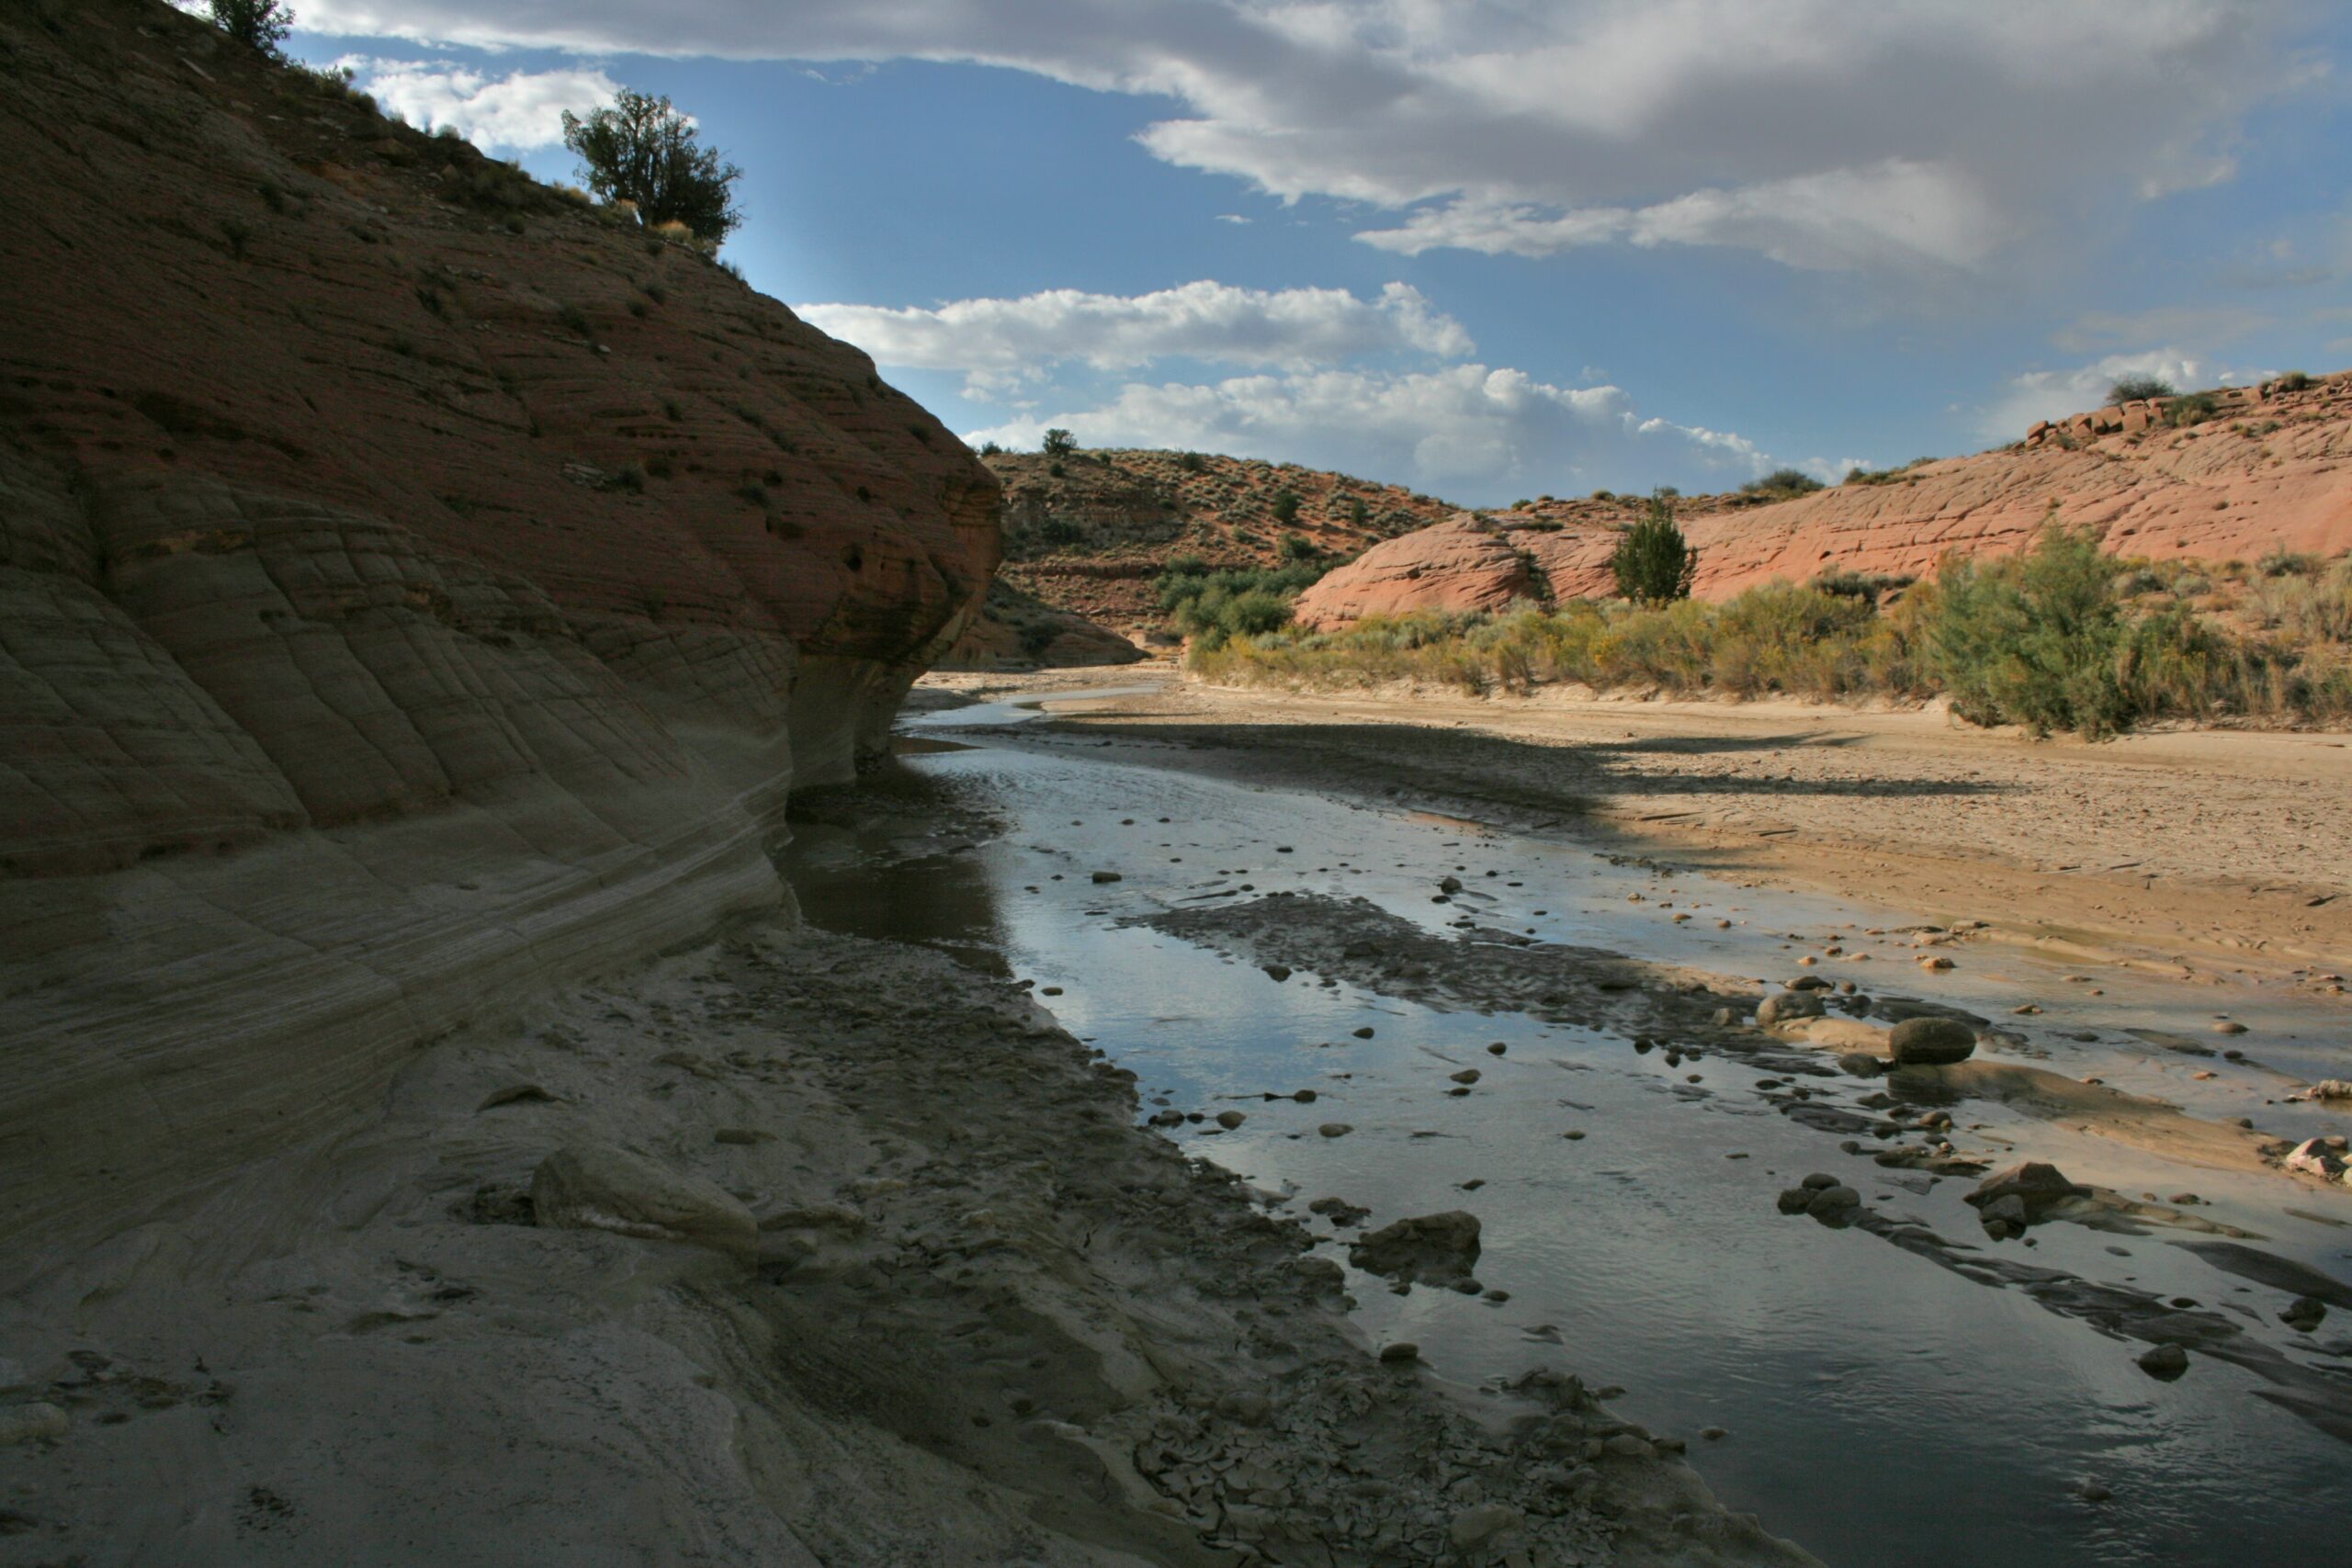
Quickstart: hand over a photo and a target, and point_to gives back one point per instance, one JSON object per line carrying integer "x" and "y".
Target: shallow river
{"x": 1879, "y": 1408}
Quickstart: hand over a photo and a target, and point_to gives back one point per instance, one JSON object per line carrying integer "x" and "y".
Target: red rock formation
{"x": 413, "y": 584}
{"x": 2271, "y": 470}
{"x": 1463, "y": 564}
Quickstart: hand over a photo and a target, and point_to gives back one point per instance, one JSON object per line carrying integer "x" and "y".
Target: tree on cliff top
{"x": 1654, "y": 562}
{"x": 638, "y": 148}
{"x": 261, "y": 24}
{"x": 2138, "y": 389}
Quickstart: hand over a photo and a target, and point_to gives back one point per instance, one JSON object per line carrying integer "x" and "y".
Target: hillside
{"x": 2260, "y": 471}
{"x": 1087, "y": 533}
{"x": 419, "y": 588}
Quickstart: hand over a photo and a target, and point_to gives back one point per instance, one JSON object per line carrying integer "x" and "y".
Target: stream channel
{"x": 1879, "y": 1406}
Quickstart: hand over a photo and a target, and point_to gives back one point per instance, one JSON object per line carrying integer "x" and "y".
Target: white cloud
{"x": 1469, "y": 432}
{"x": 1819, "y": 132}
{"x": 1895, "y": 213}
{"x": 516, "y": 113}
{"x": 1288, "y": 328}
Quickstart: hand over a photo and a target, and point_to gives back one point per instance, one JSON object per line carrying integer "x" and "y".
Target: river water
{"x": 1878, "y": 1407}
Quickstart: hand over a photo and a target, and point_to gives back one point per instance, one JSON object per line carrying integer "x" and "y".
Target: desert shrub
{"x": 638, "y": 148}
{"x": 1654, "y": 562}
{"x": 1358, "y": 513}
{"x": 2194, "y": 409}
{"x": 2293, "y": 381}
{"x": 257, "y": 24}
{"x": 2034, "y": 639}
{"x": 1058, "y": 443}
{"x": 2139, "y": 389}
{"x": 1297, "y": 547}
{"x": 1214, "y": 606}
{"x": 1782, "y": 483}
{"x": 1285, "y": 506}
{"x": 1191, "y": 462}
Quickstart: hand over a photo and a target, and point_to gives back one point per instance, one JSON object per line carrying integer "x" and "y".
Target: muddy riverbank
{"x": 1900, "y": 1385}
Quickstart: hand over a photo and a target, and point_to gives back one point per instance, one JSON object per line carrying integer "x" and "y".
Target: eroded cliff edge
{"x": 415, "y": 588}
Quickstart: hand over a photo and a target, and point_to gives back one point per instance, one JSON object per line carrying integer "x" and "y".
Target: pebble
{"x": 1497, "y": 1049}
{"x": 1466, "y": 1076}
{"x": 1108, "y": 876}
{"x": 1400, "y": 1350}
{"x": 2229, "y": 1026}
{"x": 2165, "y": 1362}
{"x": 1364, "y": 1034}
{"x": 1229, "y": 1119}
{"x": 1277, "y": 972}
{"x": 1335, "y": 1129}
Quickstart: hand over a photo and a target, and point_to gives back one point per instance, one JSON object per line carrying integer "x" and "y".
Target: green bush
{"x": 2139, "y": 389}
{"x": 1214, "y": 606}
{"x": 2194, "y": 409}
{"x": 257, "y": 24}
{"x": 1782, "y": 483}
{"x": 2293, "y": 381}
{"x": 1358, "y": 513}
{"x": 1191, "y": 462}
{"x": 1285, "y": 506}
{"x": 1297, "y": 547}
{"x": 1654, "y": 563}
{"x": 2035, "y": 639}
{"x": 640, "y": 148}
{"x": 1058, "y": 443}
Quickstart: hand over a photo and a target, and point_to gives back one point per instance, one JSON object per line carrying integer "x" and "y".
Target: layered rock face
{"x": 415, "y": 587}
{"x": 1460, "y": 565}
{"x": 2270, "y": 470}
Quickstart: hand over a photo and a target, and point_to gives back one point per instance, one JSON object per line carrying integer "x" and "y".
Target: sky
{"x": 1485, "y": 248}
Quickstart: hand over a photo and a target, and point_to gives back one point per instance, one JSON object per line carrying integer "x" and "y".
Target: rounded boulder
{"x": 1930, "y": 1042}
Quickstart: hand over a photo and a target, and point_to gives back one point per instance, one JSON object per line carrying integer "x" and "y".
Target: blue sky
{"x": 1485, "y": 248}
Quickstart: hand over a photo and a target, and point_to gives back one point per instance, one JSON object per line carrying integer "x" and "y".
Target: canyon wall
{"x": 416, "y": 587}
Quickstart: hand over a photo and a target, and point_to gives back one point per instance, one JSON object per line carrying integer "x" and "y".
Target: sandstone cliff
{"x": 2269, "y": 469}
{"x": 415, "y": 587}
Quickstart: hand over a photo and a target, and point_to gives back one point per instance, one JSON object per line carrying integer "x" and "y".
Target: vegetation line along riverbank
{"x": 2061, "y": 637}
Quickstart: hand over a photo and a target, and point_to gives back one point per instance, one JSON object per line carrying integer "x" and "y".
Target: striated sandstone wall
{"x": 415, "y": 588}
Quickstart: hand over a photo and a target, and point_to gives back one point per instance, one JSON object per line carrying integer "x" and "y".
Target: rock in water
{"x": 1930, "y": 1042}
{"x": 2034, "y": 1184}
{"x": 2314, "y": 1157}
{"x": 598, "y": 1187}
{"x": 1430, "y": 1250}
{"x": 1784, "y": 1006}
{"x": 2165, "y": 1362}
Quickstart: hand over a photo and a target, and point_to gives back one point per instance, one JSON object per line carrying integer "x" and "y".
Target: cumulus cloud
{"x": 1287, "y": 327}
{"x": 1824, "y": 134}
{"x": 516, "y": 113}
{"x": 2048, "y": 394}
{"x": 1470, "y": 431}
